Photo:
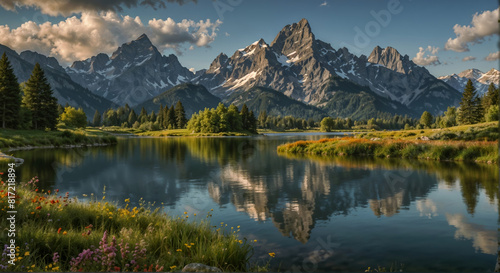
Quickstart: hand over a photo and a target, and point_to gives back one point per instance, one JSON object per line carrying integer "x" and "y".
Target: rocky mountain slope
{"x": 193, "y": 98}
{"x": 479, "y": 79}
{"x": 135, "y": 72}
{"x": 65, "y": 89}
{"x": 275, "y": 103}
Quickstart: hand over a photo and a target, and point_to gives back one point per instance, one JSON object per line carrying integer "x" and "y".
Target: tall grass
{"x": 482, "y": 151}
{"x": 58, "y": 233}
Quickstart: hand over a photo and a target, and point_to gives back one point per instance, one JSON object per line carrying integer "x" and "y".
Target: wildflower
{"x": 192, "y": 244}
{"x": 27, "y": 253}
{"x": 179, "y": 250}
{"x": 173, "y": 266}
{"x": 127, "y": 200}
{"x": 64, "y": 233}
{"x": 238, "y": 227}
{"x": 39, "y": 207}
{"x": 195, "y": 214}
{"x": 185, "y": 212}
{"x": 240, "y": 241}
{"x": 59, "y": 230}
{"x": 272, "y": 254}
{"x": 211, "y": 209}
{"x": 255, "y": 241}
{"x": 32, "y": 212}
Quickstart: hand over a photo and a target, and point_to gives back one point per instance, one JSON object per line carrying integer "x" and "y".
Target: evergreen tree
{"x": 165, "y": 116}
{"x": 171, "y": 118}
{"x": 469, "y": 106}
{"x": 132, "y": 117}
{"x": 39, "y": 99}
{"x": 152, "y": 116}
{"x": 60, "y": 109}
{"x": 262, "y": 119}
{"x": 245, "y": 117}
{"x": 96, "y": 122}
{"x": 143, "y": 116}
{"x": 252, "y": 123}
{"x": 10, "y": 95}
{"x": 180, "y": 115}
{"x": 491, "y": 97}
{"x": 160, "y": 117}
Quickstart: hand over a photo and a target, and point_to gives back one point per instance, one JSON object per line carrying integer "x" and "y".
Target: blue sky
{"x": 414, "y": 24}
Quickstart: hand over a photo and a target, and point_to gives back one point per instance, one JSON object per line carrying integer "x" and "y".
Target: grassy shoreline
{"x": 58, "y": 233}
{"x": 477, "y": 142}
{"x": 478, "y": 151}
{"x": 11, "y": 140}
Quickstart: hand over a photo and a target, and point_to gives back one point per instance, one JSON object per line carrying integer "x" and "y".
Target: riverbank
{"x": 56, "y": 232}
{"x": 478, "y": 151}
{"x": 11, "y": 140}
{"x": 165, "y": 133}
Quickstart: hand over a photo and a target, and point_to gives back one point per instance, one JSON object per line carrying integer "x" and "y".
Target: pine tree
{"x": 152, "y": 116}
{"x": 180, "y": 115}
{"x": 132, "y": 118}
{"x": 469, "y": 106}
{"x": 39, "y": 99}
{"x": 143, "y": 116}
{"x": 262, "y": 119}
{"x": 96, "y": 122}
{"x": 252, "y": 122}
{"x": 10, "y": 95}
{"x": 245, "y": 117}
{"x": 165, "y": 117}
{"x": 491, "y": 97}
{"x": 160, "y": 117}
{"x": 171, "y": 118}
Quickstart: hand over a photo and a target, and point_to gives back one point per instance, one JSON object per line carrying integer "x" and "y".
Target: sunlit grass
{"x": 482, "y": 151}
{"x": 61, "y": 233}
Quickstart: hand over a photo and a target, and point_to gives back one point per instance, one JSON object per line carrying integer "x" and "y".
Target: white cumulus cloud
{"x": 429, "y": 59}
{"x": 483, "y": 25}
{"x": 493, "y": 56}
{"x": 469, "y": 58}
{"x": 78, "y": 38}
{"x": 68, "y": 7}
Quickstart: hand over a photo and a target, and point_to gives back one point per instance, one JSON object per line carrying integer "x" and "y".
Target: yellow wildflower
{"x": 27, "y": 253}
{"x": 272, "y": 254}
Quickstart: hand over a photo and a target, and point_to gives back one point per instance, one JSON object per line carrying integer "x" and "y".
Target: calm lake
{"x": 316, "y": 214}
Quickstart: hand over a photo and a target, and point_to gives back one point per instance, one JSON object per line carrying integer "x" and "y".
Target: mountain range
{"x": 480, "y": 80}
{"x": 296, "y": 74}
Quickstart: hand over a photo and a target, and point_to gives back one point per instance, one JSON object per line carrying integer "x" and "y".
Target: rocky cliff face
{"x": 134, "y": 73}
